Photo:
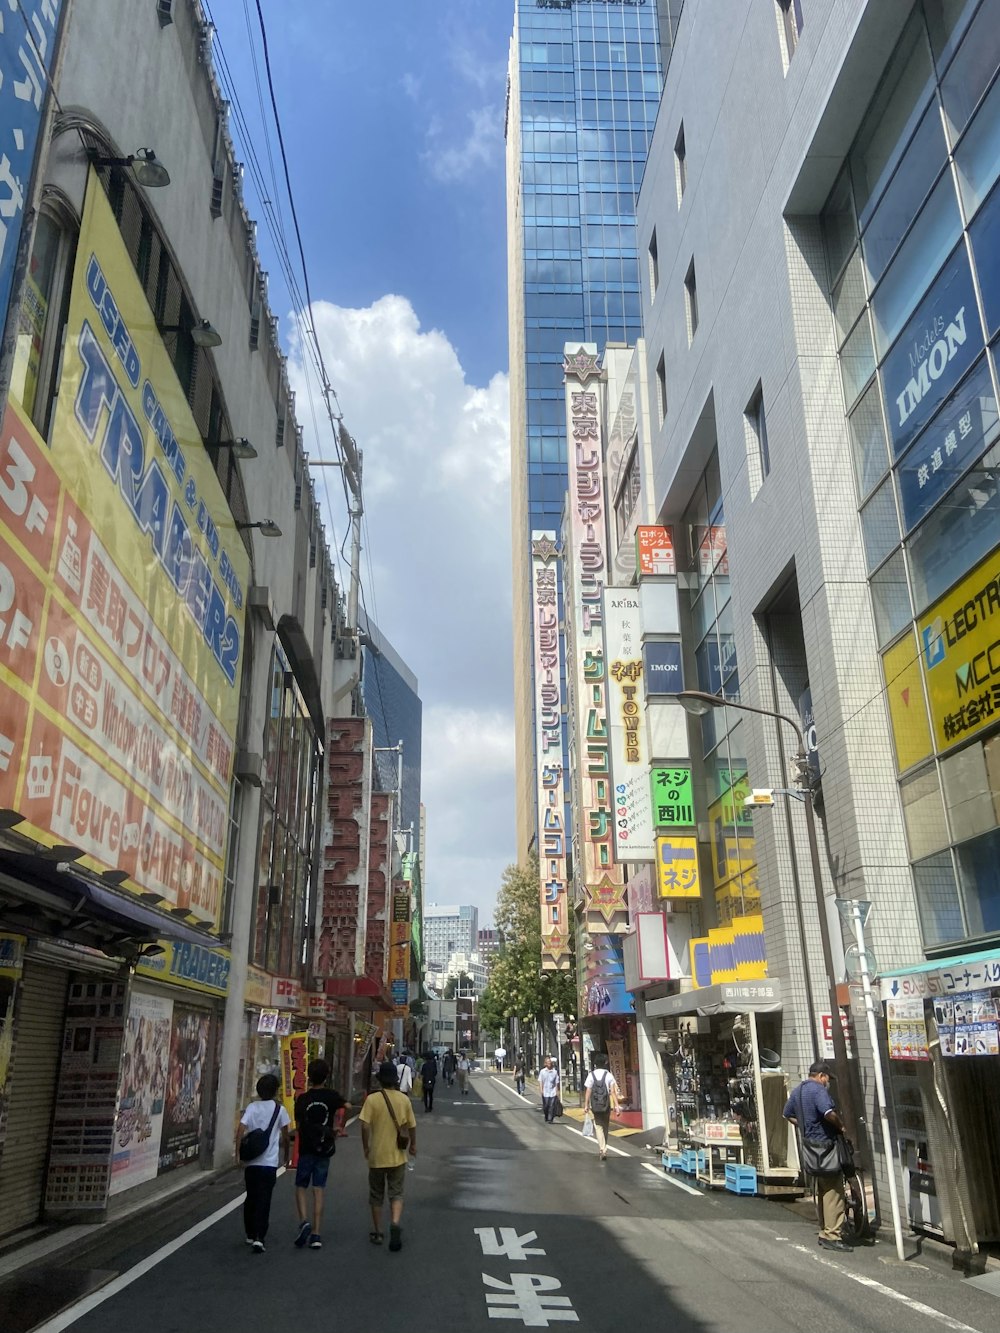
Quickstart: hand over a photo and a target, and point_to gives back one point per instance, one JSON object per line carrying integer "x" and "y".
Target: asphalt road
{"x": 507, "y": 1219}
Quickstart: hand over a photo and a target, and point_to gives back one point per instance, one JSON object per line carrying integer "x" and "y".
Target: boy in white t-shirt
{"x": 261, "y": 1172}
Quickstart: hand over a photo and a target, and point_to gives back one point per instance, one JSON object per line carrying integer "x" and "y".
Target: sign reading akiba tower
{"x": 603, "y": 880}
{"x": 554, "y": 899}
{"x": 633, "y": 823}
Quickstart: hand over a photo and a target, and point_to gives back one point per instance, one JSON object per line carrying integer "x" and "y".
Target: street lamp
{"x": 698, "y": 703}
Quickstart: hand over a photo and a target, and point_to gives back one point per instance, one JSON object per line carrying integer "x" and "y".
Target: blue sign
{"x": 27, "y": 46}
{"x": 400, "y": 992}
{"x": 934, "y": 351}
{"x": 661, "y": 663}
{"x": 954, "y": 440}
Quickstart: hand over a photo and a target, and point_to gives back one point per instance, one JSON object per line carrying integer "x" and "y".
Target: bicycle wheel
{"x": 856, "y": 1209}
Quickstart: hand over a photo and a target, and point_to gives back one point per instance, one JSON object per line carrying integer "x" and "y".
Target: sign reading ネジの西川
{"x": 124, "y": 574}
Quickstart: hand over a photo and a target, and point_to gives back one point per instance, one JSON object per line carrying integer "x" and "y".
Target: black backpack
{"x": 254, "y": 1144}
{"x": 318, "y": 1136}
{"x": 600, "y": 1097}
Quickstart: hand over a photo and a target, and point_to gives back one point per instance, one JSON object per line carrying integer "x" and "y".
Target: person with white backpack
{"x": 601, "y": 1101}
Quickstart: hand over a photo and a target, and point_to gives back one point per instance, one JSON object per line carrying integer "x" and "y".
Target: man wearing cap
{"x": 386, "y": 1117}
{"x": 811, "y": 1108}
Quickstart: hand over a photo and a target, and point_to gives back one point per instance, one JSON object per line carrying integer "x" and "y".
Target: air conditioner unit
{"x": 248, "y": 767}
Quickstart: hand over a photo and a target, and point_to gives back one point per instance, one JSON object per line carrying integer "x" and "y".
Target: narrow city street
{"x": 507, "y": 1218}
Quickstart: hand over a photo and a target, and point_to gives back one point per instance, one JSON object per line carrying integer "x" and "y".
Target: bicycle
{"x": 859, "y": 1214}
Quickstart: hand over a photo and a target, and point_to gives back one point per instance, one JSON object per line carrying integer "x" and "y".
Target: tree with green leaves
{"x": 463, "y": 984}
{"x": 518, "y": 988}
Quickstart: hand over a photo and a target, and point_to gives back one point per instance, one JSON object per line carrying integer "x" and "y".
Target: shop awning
{"x": 725, "y": 997}
{"x": 942, "y": 976}
{"x": 45, "y": 897}
{"x": 359, "y": 993}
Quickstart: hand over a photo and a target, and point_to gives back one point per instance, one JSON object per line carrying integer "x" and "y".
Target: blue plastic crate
{"x": 741, "y": 1179}
{"x": 693, "y": 1161}
{"x": 672, "y": 1161}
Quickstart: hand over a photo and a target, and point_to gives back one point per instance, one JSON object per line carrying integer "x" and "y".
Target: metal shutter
{"x": 41, "y": 1018}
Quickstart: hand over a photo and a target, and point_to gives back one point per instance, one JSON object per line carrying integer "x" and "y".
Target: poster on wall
{"x": 604, "y": 983}
{"x": 142, "y": 1089}
{"x": 626, "y": 700}
{"x": 182, "y": 1114}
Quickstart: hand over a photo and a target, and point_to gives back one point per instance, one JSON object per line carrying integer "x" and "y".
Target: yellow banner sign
{"x": 904, "y": 692}
{"x": 677, "y": 867}
{"x": 960, "y": 650}
{"x": 125, "y": 579}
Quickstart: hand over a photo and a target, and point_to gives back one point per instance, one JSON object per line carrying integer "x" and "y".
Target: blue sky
{"x": 393, "y": 119}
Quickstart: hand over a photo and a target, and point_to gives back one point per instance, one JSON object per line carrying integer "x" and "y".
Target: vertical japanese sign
{"x": 28, "y": 33}
{"x": 626, "y": 695}
{"x": 123, "y": 576}
{"x": 603, "y": 880}
{"x": 399, "y": 948}
{"x": 553, "y": 891}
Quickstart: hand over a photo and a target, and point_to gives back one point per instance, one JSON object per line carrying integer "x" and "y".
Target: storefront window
{"x": 891, "y": 599}
{"x": 938, "y": 904}
{"x": 42, "y": 318}
{"x": 979, "y": 868}
{"x": 923, "y": 814}
{"x": 947, "y": 21}
{"x": 857, "y": 359}
{"x": 871, "y": 455}
{"x": 967, "y": 793}
{"x": 879, "y": 525}
{"x": 849, "y": 296}
{"x": 901, "y": 202}
{"x": 972, "y": 69}
{"x": 985, "y": 234}
{"x": 978, "y": 155}
{"x": 840, "y": 232}
{"x": 958, "y": 533}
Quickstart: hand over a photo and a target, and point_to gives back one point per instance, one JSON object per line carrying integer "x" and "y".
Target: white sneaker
{"x": 258, "y": 1246}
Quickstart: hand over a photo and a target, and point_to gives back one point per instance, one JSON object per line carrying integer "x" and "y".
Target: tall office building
{"x": 448, "y": 930}
{"x": 583, "y": 91}
{"x": 392, "y": 701}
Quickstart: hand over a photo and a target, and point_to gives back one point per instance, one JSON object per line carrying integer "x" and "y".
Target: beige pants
{"x": 601, "y": 1122}
{"x": 832, "y": 1207}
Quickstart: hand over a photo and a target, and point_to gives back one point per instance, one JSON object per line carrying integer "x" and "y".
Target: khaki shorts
{"x": 381, "y": 1176}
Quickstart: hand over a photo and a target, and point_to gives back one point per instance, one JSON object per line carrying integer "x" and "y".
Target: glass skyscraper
{"x": 583, "y": 92}
{"x": 392, "y": 701}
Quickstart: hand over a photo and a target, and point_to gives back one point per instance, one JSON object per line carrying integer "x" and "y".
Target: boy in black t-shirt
{"x": 315, "y": 1110}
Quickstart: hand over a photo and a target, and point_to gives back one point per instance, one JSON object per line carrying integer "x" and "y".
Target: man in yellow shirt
{"x": 386, "y": 1117}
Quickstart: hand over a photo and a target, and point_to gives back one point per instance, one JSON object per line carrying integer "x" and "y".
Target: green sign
{"x": 673, "y": 798}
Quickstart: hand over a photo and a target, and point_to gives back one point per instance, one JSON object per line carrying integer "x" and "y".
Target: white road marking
{"x": 512, "y": 1091}
{"x": 611, "y": 1147}
{"x": 660, "y": 1174}
{"x": 954, "y": 1324}
{"x": 69, "y": 1316}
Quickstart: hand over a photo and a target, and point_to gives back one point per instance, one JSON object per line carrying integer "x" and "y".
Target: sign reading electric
{"x": 960, "y": 638}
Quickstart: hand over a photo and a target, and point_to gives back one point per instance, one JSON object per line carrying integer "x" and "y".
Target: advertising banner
{"x": 655, "y": 550}
{"x": 904, "y": 693}
{"x": 192, "y": 966}
{"x": 142, "y": 1091}
{"x": 672, "y": 795}
{"x": 960, "y": 644}
{"x": 294, "y": 1063}
{"x": 124, "y": 578}
{"x": 180, "y": 1141}
{"x": 663, "y": 667}
{"x": 604, "y": 983}
{"x": 399, "y": 951}
{"x": 27, "y": 50}
{"x": 600, "y": 873}
{"x": 906, "y": 1028}
{"x": 937, "y": 347}
{"x": 551, "y": 784}
{"x": 677, "y": 867}
{"x": 633, "y": 823}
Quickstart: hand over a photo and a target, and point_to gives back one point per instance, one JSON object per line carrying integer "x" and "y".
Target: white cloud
{"x": 437, "y": 498}
{"x": 483, "y": 142}
{"x": 412, "y": 86}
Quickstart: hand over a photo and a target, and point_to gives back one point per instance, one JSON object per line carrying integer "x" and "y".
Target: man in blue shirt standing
{"x": 812, "y": 1109}
{"x": 548, "y": 1086}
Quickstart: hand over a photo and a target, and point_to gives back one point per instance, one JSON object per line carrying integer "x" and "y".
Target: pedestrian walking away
{"x": 548, "y": 1086}
{"x": 519, "y": 1072}
{"x": 316, "y": 1129}
{"x": 429, "y": 1073}
{"x": 448, "y": 1067}
{"x": 404, "y": 1074}
{"x": 388, "y": 1134}
{"x": 811, "y": 1108}
{"x": 500, "y": 1055}
{"x": 261, "y": 1141}
{"x": 463, "y": 1069}
{"x": 601, "y": 1101}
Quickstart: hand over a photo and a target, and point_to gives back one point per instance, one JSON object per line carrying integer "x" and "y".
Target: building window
{"x": 661, "y": 386}
{"x": 758, "y": 457}
{"x": 654, "y": 266}
{"x": 691, "y": 300}
{"x": 790, "y": 19}
{"x": 628, "y": 494}
{"x": 680, "y": 164}
{"x": 42, "y": 318}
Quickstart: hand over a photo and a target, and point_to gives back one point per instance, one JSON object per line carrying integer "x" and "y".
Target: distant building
{"x": 392, "y": 701}
{"x": 488, "y": 946}
{"x": 448, "y": 930}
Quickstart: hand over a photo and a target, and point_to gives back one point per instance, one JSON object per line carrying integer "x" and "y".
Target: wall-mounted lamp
{"x": 267, "y": 527}
{"x": 145, "y": 166}
{"x": 241, "y": 448}
{"x": 203, "y": 333}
